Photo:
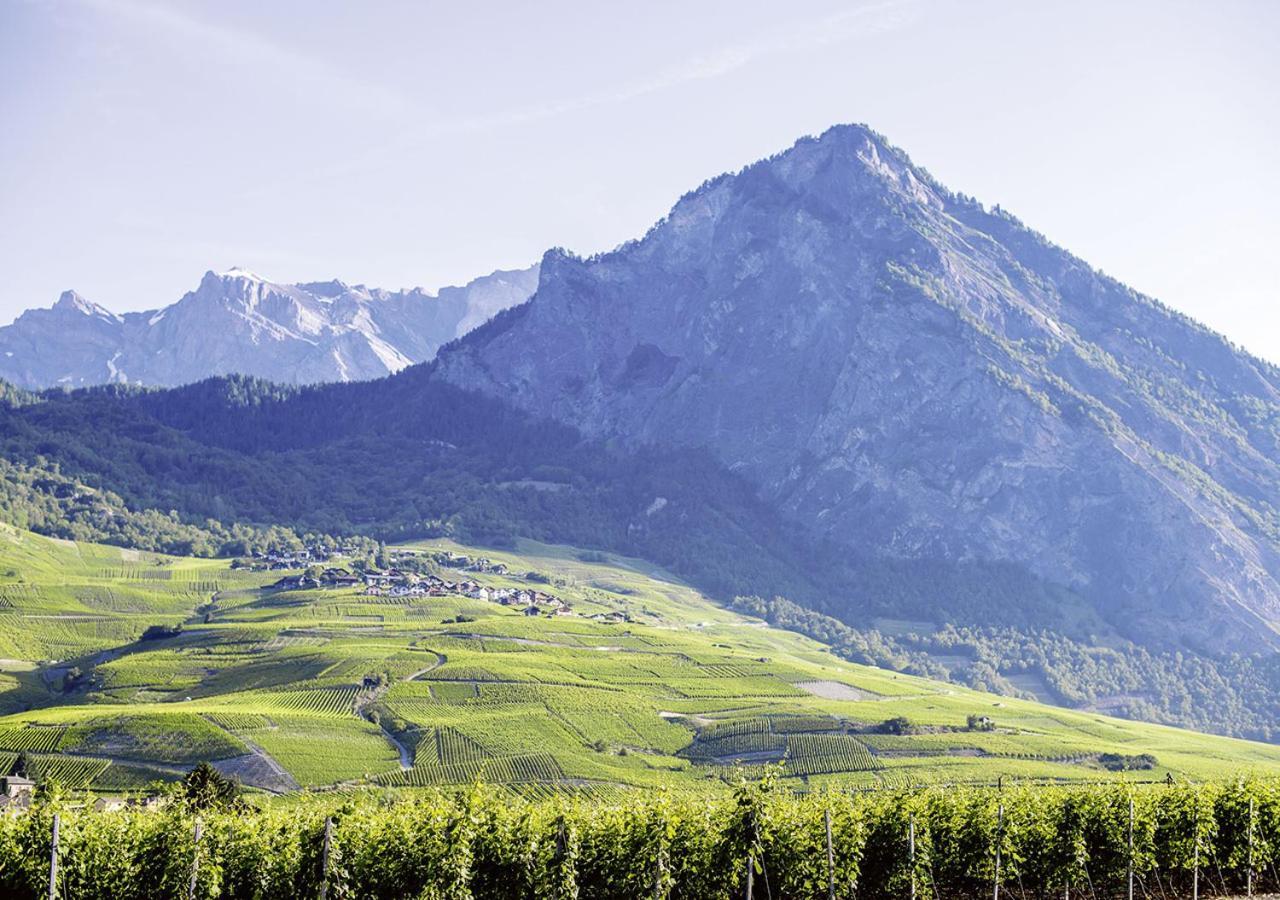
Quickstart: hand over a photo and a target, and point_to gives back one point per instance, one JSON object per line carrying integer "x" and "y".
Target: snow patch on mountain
{"x": 238, "y": 321}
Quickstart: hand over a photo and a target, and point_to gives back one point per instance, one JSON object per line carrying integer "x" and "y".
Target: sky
{"x": 424, "y": 143}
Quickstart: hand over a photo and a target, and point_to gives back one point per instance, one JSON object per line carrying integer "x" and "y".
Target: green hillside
{"x": 643, "y": 683}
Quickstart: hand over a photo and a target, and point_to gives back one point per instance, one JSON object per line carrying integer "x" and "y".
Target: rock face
{"x": 237, "y": 322}
{"x": 915, "y": 376}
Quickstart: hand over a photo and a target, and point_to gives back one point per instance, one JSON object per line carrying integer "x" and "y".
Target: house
{"x": 338, "y": 577}
{"x": 531, "y": 610}
{"x": 109, "y": 804}
{"x": 15, "y": 792}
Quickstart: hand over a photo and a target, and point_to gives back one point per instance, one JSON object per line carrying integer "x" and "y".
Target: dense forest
{"x": 233, "y": 465}
{"x": 414, "y": 458}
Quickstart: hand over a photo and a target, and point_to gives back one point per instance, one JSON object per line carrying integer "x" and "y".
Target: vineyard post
{"x": 324, "y": 858}
{"x": 751, "y": 871}
{"x": 831, "y": 859}
{"x": 195, "y": 860}
{"x": 1195, "y": 864}
{"x": 999, "y": 839}
{"x": 1249, "y": 870}
{"x": 1130, "y": 866}
{"x": 911, "y": 844}
{"x": 53, "y": 860}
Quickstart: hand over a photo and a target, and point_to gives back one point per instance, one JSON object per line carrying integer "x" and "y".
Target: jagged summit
{"x": 237, "y": 272}
{"x": 73, "y": 302}
{"x": 239, "y": 321}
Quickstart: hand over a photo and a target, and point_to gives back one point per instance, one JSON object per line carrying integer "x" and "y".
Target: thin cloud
{"x": 865, "y": 20}
{"x": 243, "y": 48}
{"x": 862, "y": 21}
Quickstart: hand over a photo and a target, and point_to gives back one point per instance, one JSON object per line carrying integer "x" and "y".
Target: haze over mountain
{"x": 917, "y": 377}
{"x": 236, "y": 321}
{"x": 825, "y": 377}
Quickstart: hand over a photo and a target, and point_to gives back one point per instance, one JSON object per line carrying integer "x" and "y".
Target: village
{"x": 413, "y": 574}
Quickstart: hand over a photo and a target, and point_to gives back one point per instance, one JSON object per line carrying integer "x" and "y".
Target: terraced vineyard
{"x": 645, "y": 684}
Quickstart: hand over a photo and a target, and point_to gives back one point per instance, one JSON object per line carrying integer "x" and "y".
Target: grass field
{"x": 679, "y": 692}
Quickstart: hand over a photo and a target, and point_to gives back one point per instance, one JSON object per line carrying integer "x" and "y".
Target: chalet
{"x": 531, "y": 610}
{"x": 295, "y": 583}
{"x": 338, "y": 578}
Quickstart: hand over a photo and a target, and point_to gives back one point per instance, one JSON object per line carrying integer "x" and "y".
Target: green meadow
{"x": 646, "y": 683}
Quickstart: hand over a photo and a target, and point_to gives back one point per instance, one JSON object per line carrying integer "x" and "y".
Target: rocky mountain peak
{"x": 916, "y": 378}
{"x": 237, "y": 321}
{"x": 73, "y": 302}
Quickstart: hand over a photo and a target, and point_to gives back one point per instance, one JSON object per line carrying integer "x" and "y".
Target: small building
{"x": 15, "y": 792}
{"x": 531, "y": 610}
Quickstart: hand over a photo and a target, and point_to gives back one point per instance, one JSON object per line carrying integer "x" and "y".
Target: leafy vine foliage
{"x": 481, "y": 844}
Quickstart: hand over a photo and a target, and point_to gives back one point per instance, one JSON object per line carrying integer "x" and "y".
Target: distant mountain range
{"x": 238, "y": 322}
{"x": 825, "y": 376}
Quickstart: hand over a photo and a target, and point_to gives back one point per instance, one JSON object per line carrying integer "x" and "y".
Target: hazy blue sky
{"x": 424, "y": 143}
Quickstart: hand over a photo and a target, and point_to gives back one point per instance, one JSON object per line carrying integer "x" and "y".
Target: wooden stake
{"x": 911, "y": 843}
{"x": 1249, "y": 873}
{"x": 53, "y": 860}
{"x": 1195, "y": 865}
{"x": 751, "y": 874}
{"x": 195, "y": 861}
{"x": 831, "y": 859}
{"x": 1130, "y": 895}
{"x": 999, "y": 839}
{"x": 324, "y": 859}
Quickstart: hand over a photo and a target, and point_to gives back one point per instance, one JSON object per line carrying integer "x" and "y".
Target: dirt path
{"x": 441, "y": 659}
{"x": 367, "y": 700}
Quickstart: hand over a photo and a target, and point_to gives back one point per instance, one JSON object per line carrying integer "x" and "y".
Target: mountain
{"x": 915, "y": 377}
{"x": 825, "y": 389}
{"x": 236, "y": 321}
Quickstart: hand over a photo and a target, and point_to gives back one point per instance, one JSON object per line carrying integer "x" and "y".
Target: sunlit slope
{"x": 645, "y": 683}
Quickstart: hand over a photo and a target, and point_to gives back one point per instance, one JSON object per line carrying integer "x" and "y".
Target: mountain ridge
{"x": 834, "y": 324}
{"x": 239, "y": 322}
{"x": 850, "y": 388}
